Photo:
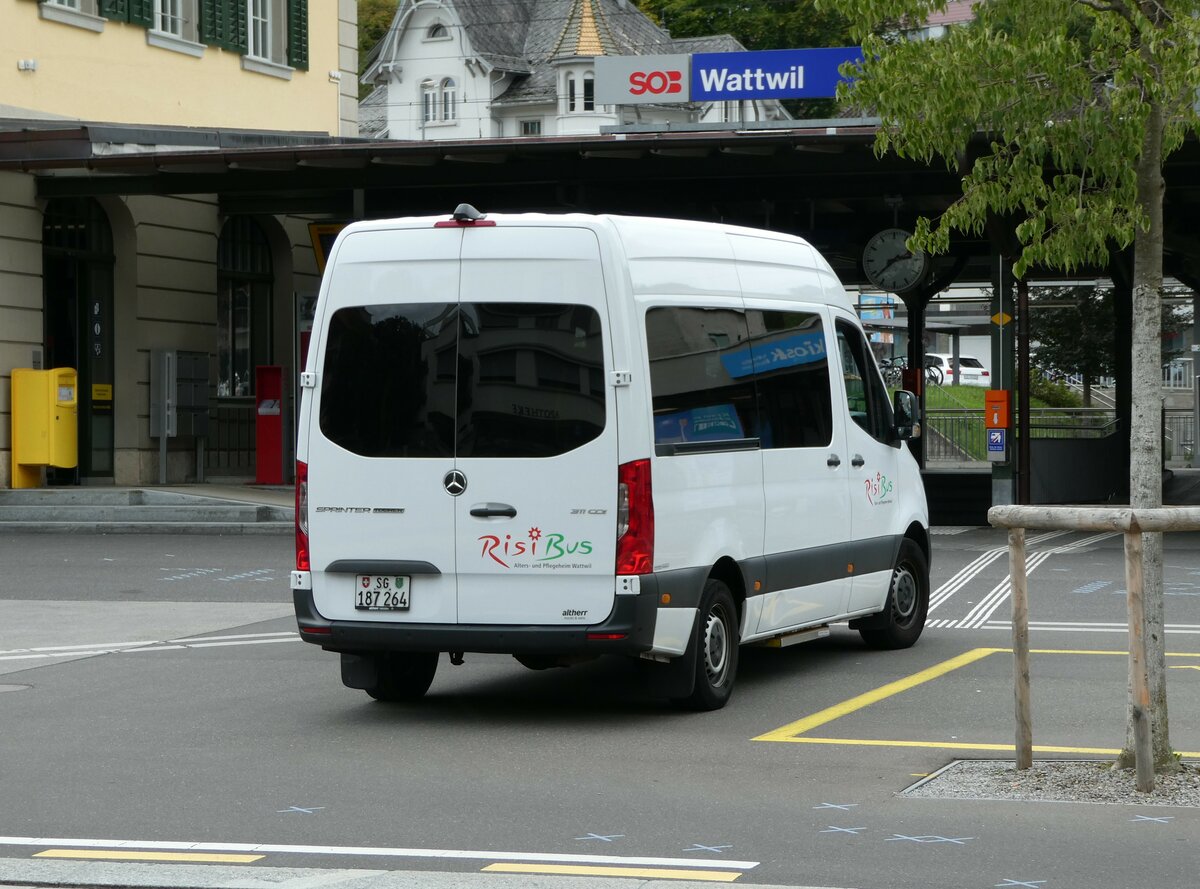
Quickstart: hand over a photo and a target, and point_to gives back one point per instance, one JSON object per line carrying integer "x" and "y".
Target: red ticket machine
{"x": 268, "y": 425}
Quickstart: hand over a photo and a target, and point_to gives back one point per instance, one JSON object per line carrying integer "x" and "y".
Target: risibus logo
{"x": 879, "y": 489}
{"x": 655, "y": 82}
{"x": 553, "y": 547}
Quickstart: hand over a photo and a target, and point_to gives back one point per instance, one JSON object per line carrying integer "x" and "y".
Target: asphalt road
{"x": 153, "y": 697}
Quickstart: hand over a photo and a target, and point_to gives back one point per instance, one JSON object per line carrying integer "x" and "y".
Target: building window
{"x": 258, "y": 24}
{"x": 428, "y": 101}
{"x": 244, "y": 285}
{"x": 439, "y": 100}
{"x": 531, "y": 128}
{"x": 570, "y": 92}
{"x": 437, "y": 31}
{"x": 81, "y": 13}
{"x": 589, "y": 92}
{"x": 168, "y": 17}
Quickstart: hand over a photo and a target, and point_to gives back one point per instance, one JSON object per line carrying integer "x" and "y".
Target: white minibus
{"x": 566, "y": 436}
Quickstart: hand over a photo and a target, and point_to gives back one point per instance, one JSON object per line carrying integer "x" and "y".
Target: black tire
{"x": 715, "y": 643}
{"x": 900, "y": 623}
{"x": 934, "y": 375}
{"x": 404, "y": 676}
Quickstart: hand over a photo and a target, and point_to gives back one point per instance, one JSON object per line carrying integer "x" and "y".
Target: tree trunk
{"x": 1087, "y": 390}
{"x": 1145, "y": 443}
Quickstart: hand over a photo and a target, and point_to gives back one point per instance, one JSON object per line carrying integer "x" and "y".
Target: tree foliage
{"x": 374, "y": 19}
{"x": 1063, "y": 88}
{"x": 1074, "y": 330}
{"x": 1059, "y": 115}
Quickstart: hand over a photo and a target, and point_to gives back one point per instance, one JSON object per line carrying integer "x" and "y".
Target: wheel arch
{"x": 919, "y": 535}
{"x": 729, "y": 573}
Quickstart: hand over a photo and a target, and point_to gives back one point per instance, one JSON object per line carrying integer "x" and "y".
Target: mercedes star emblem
{"x": 454, "y": 482}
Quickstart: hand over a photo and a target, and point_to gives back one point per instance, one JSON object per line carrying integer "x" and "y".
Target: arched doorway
{"x": 77, "y": 318}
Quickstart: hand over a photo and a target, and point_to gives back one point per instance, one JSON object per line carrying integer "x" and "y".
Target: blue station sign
{"x": 769, "y": 74}
{"x": 722, "y": 76}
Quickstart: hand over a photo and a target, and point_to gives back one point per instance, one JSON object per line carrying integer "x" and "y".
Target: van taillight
{"x": 635, "y": 519}
{"x": 302, "y": 561}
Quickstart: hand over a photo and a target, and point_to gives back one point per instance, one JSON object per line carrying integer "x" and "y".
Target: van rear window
{"x": 469, "y": 380}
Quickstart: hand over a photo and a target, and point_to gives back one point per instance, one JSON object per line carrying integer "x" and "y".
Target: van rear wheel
{"x": 900, "y": 623}
{"x": 403, "y": 676}
{"x": 716, "y": 649}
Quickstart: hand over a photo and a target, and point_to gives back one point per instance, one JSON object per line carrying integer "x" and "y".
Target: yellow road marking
{"x": 791, "y": 732}
{"x": 653, "y": 873}
{"x": 800, "y": 726}
{"x": 132, "y": 855}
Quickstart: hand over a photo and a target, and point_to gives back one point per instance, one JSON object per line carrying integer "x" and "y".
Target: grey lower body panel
{"x": 629, "y": 629}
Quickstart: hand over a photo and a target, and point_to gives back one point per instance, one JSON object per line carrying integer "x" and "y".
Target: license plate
{"x": 381, "y": 592}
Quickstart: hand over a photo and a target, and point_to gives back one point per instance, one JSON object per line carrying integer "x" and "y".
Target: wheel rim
{"x": 716, "y": 647}
{"x": 906, "y": 593}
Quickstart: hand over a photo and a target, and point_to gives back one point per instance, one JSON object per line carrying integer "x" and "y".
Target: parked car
{"x": 972, "y": 371}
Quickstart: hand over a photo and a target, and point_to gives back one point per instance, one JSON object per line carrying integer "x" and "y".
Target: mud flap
{"x": 359, "y": 671}
{"x": 676, "y": 679}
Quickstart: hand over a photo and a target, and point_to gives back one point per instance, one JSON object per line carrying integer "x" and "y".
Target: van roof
{"x": 633, "y": 231}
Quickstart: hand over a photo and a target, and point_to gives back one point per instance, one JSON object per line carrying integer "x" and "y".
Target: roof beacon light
{"x": 464, "y": 215}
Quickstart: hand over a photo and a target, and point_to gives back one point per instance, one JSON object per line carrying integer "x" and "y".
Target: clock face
{"x": 888, "y": 263}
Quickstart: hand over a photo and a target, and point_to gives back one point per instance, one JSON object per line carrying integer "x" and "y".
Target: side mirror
{"x": 906, "y": 413}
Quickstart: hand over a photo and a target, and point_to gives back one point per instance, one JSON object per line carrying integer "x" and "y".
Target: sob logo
{"x": 655, "y": 82}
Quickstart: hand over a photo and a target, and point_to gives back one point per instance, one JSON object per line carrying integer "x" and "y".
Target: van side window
{"x": 791, "y": 372}
{"x": 385, "y": 389}
{"x": 530, "y": 379}
{"x": 865, "y": 392}
{"x": 701, "y": 379}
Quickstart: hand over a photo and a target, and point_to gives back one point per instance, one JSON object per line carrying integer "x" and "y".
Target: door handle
{"x": 494, "y": 510}
{"x": 834, "y": 461}
{"x": 857, "y": 460}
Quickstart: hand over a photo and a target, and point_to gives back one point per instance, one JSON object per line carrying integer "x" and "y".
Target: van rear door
{"x": 381, "y": 440}
{"x": 536, "y": 436}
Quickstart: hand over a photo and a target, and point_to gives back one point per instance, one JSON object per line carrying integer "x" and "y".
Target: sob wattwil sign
{"x": 722, "y": 77}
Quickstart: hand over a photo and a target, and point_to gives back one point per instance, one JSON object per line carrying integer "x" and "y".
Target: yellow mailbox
{"x": 45, "y": 422}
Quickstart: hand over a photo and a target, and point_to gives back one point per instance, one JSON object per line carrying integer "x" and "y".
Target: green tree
{"x": 758, "y": 24}
{"x": 1080, "y": 102}
{"x": 374, "y": 19}
{"x": 1073, "y": 331}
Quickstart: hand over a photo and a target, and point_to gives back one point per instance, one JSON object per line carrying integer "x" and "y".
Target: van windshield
{"x": 469, "y": 380}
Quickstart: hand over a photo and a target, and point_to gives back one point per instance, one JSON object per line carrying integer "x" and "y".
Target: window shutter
{"x": 298, "y": 34}
{"x": 141, "y": 12}
{"x": 208, "y": 22}
{"x": 118, "y": 10}
{"x": 223, "y": 23}
{"x": 235, "y": 35}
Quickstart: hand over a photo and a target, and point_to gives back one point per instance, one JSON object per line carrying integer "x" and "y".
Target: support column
{"x": 1003, "y": 366}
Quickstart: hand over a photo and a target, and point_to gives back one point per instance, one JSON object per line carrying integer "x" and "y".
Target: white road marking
{"x": 973, "y": 569}
{"x": 45, "y": 653}
{"x": 375, "y": 851}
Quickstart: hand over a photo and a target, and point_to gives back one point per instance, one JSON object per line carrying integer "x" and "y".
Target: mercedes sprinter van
{"x": 564, "y": 436}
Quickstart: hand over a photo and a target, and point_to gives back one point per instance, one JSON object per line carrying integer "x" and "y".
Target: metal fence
{"x": 959, "y": 436}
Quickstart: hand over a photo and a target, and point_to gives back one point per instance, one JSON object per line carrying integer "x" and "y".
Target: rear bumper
{"x": 629, "y": 629}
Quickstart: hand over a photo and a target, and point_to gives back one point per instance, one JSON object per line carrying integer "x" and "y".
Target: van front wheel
{"x": 403, "y": 676}
{"x": 716, "y": 648}
{"x": 900, "y": 623}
